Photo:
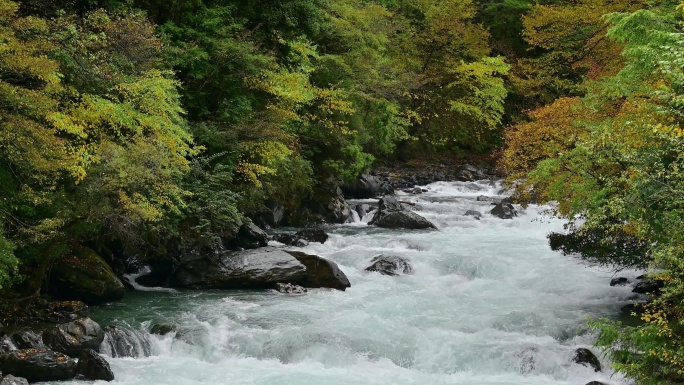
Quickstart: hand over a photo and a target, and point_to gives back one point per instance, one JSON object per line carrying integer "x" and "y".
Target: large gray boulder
{"x": 37, "y": 365}
{"x": 249, "y": 269}
{"x": 392, "y": 215}
{"x": 367, "y": 186}
{"x": 85, "y": 276}
{"x": 71, "y": 338}
{"x": 320, "y": 272}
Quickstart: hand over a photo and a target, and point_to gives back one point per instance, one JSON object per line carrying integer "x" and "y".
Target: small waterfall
{"x": 123, "y": 342}
{"x": 131, "y": 279}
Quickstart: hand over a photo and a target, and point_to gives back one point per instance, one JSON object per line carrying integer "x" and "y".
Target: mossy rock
{"x": 85, "y": 276}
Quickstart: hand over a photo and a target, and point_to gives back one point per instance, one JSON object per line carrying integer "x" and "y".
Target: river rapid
{"x": 488, "y": 304}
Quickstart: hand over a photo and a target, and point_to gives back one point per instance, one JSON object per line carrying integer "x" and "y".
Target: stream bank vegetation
{"x": 151, "y": 128}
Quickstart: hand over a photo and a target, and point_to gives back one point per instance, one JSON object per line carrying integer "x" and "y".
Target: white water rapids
{"x": 488, "y": 304}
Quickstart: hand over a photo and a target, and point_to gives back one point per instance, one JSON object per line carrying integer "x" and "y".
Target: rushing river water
{"x": 488, "y": 304}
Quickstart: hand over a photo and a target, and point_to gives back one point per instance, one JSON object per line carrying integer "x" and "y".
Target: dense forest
{"x": 162, "y": 126}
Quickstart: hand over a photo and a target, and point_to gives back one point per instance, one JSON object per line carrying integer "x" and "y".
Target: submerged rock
{"x": 288, "y": 288}
{"x": 86, "y": 277}
{"x": 120, "y": 342}
{"x": 504, "y": 211}
{"x": 587, "y": 358}
{"x": 390, "y": 265}
{"x": 528, "y": 360}
{"x": 619, "y": 281}
{"x": 596, "y": 383}
{"x": 72, "y": 337}
{"x": 320, "y": 272}
{"x": 473, "y": 213}
{"x": 162, "y": 330}
{"x": 92, "y": 367}
{"x": 37, "y": 365}
{"x": 391, "y": 214}
{"x": 11, "y": 380}
{"x": 249, "y": 269}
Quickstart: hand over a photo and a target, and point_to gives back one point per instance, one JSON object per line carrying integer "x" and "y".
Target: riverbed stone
{"x": 85, "y": 276}
{"x": 288, "y": 288}
{"x": 11, "y": 380}
{"x": 249, "y": 269}
{"x": 91, "y": 366}
{"x": 390, "y": 265}
{"x": 504, "y": 211}
{"x": 392, "y": 214}
{"x": 587, "y": 358}
{"x": 596, "y": 383}
{"x": 619, "y": 281}
{"x": 72, "y": 337}
{"x": 320, "y": 272}
{"x": 161, "y": 330}
{"x": 37, "y": 365}
{"x": 473, "y": 213}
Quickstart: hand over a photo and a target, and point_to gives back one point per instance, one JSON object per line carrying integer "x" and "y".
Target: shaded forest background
{"x": 160, "y": 126}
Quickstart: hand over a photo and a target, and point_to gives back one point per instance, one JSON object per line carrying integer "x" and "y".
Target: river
{"x": 488, "y": 304}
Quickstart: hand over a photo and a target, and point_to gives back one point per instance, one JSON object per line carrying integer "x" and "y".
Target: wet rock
{"x": 504, "y": 211}
{"x": 586, "y": 358}
{"x": 528, "y": 360}
{"x": 24, "y": 338}
{"x": 596, "y": 383}
{"x": 249, "y": 269}
{"x": 473, "y": 213}
{"x": 37, "y": 365}
{"x": 391, "y": 214}
{"x": 619, "y": 281}
{"x": 470, "y": 174}
{"x": 362, "y": 210}
{"x": 648, "y": 286}
{"x": 250, "y": 236}
{"x": 288, "y": 288}
{"x": 291, "y": 240}
{"x": 120, "y": 342}
{"x": 86, "y": 277}
{"x": 320, "y": 272}
{"x": 11, "y": 380}
{"x": 367, "y": 186}
{"x": 313, "y": 235}
{"x": 72, "y": 337}
{"x": 91, "y": 366}
{"x": 390, "y": 265}
{"x": 484, "y": 198}
{"x": 162, "y": 329}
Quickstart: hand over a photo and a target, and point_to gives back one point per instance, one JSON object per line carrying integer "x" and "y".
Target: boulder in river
{"x": 290, "y": 240}
{"x": 313, "y": 235}
{"x": 619, "y": 281}
{"x": 86, "y": 277}
{"x": 302, "y": 238}
{"x": 390, "y": 265}
{"x": 250, "y": 236}
{"x": 249, "y": 269}
{"x": 288, "y": 288}
{"x": 320, "y": 272}
{"x": 596, "y": 383}
{"x": 362, "y": 210}
{"x": 391, "y": 214}
{"x": 121, "y": 342}
{"x": 504, "y": 211}
{"x": 91, "y": 366}
{"x": 37, "y": 365}
{"x": 473, "y": 213}
{"x": 11, "y": 380}
{"x": 72, "y": 337}
{"x": 367, "y": 186}
{"x": 587, "y": 358}
{"x": 162, "y": 330}
{"x": 648, "y": 286}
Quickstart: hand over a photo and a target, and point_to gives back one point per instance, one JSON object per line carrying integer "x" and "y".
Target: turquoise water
{"x": 488, "y": 304}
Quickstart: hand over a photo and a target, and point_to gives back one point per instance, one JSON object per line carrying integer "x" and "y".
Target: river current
{"x": 489, "y": 303}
